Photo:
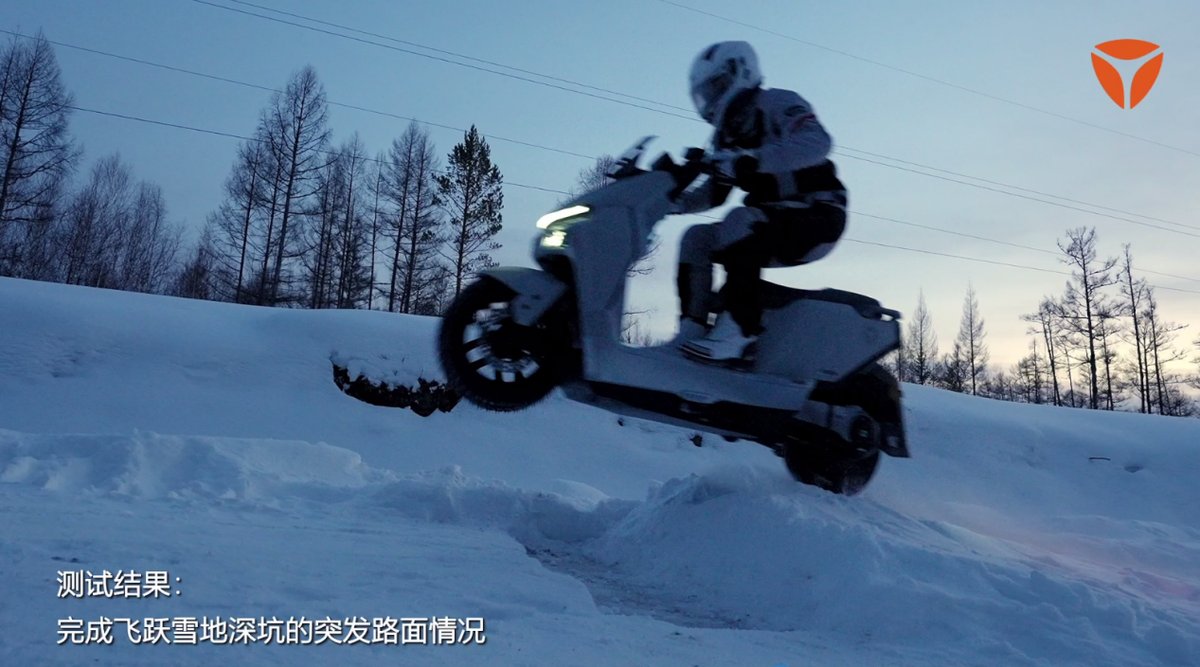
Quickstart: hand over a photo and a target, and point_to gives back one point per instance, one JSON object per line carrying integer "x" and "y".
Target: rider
{"x": 768, "y": 143}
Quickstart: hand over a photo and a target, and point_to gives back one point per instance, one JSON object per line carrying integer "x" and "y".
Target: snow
{"x": 208, "y": 440}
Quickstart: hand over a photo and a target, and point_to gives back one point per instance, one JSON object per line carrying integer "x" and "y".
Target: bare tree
{"x": 596, "y": 176}
{"x": 1195, "y": 381}
{"x": 115, "y": 233}
{"x": 1044, "y": 323}
{"x": 197, "y": 276}
{"x": 921, "y": 353}
{"x": 1133, "y": 293}
{"x": 336, "y": 262}
{"x": 36, "y": 153}
{"x": 970, "y": 340}
{"x": 415, "y": 270}
{"x": 296, "y": 133}
{"x": 470, "y": 193}
{"x": 1083, "y": 301}
{"x": 377, "y": 194}
{"x": 1030, "y": 380}
{"x": 149, "y": 244}
{"x": 590, "y": 178}
{"x": 1160, "y": 353}
{"x": 235, "y": 223}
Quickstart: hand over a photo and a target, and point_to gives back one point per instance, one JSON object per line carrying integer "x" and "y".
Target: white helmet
{"x": 718, "y": 74}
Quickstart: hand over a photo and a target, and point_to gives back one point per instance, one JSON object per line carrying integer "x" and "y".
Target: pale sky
{"x": 996, "y": 95}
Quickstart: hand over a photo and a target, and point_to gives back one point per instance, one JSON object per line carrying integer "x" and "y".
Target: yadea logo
{"x": 1128, "y": 51}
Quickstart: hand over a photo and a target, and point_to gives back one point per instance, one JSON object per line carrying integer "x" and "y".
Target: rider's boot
{"x": 724, "y": 342}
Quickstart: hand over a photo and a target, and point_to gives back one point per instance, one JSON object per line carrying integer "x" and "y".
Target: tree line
{"x": 1101, "y": 344}
{"x": 303, "y": 222}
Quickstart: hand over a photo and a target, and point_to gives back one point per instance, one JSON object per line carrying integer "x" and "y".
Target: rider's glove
{"x": 734, "y": 166}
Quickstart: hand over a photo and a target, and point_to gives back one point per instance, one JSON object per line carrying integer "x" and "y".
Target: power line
{"x": 458, "y": 55}
{"x": 943, "y": 230}
{"x": 962, "y": 257}
{"x": 926, "y": 77}
{"x": 992, "y": 261}
{"x": 1019, "y": 188}
{"x": 1028, "y": 197}
{"x": 840, "y": 150}
{"x": 231, "y": 135}
{"x": 440, "y": 59}
{"x": 542, "y": 147}
{"x": 255, "y": 86}
{"x": 692, "y": 118}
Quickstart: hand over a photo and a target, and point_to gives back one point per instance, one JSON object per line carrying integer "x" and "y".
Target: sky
{"x": 983, "y": 119}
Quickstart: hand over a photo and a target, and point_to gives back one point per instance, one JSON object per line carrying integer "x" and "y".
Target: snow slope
{"x": 208, "y": 440}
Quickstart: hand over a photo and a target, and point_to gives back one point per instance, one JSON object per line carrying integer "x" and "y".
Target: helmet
{"x": 718, "y": 74}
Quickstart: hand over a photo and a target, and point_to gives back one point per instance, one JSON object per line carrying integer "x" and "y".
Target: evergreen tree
{"x": 471, "y": 195}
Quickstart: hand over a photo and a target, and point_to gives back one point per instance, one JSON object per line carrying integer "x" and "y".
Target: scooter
{"x": 814, "y": 391}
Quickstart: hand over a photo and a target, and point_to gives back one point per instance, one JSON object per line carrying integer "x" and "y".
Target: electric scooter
{"x": 814, "y": 391}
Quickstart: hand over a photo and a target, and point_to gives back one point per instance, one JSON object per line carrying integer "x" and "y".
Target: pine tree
{"x": 471, "y": 195}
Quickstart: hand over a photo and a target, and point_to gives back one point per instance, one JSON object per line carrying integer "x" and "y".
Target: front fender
{"x": 536, "y": 291}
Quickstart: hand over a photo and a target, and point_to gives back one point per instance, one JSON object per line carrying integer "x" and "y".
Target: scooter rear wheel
{"x": 829, "y": 462}
{"x": 492, "y": 360}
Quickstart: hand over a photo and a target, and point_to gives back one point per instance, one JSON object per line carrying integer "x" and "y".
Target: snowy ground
{"x": 208, "y": 441}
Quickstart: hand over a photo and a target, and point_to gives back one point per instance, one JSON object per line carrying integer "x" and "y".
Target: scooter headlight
{"x": 561, "y": 215}
{"x": 554, "y": 238}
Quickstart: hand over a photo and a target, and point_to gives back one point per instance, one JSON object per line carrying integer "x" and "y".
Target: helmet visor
{"x": 708, "y": 94}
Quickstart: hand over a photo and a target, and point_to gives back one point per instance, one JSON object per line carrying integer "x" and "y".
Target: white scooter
{"x": 813, "y": 392}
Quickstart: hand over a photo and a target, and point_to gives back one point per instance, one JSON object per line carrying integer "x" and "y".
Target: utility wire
{"x": 231, "y": 135}
{"x": 926, "y": 77}
{"x": 441, "y": 59}
{"x": 1021, "y": 246}
{"x": 992, "y": 261}
{"x": 692, "y": 118}
{"x": 1019, "y": 188}
{"x": 1028, "y": 197}
{"x": 254, "y": 86}
{"x": 458, "y": 55}
{"x": 269, "y": 89}
{"x": 539, "y": 188}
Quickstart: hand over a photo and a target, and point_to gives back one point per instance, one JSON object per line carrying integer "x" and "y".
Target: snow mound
{"x": 153, "y": 466}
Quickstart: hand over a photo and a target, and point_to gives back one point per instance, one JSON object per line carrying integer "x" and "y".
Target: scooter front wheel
{"x": 492, "y": 360}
